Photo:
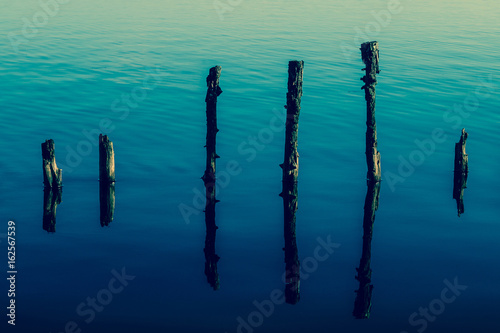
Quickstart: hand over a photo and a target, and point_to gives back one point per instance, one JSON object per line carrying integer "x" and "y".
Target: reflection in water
{"x": 363, "y": 301}
{"x": 51, "y": 198}
{"x": 211, "y": 258}
{"x": 461, "y": 172}
{"x": 292, "y": 264}
{"x": 107, "y": 202}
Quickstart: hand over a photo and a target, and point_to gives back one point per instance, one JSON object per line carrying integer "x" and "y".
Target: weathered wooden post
{"x": 51, "y": 198}
{"x": 362, "y": 303}
{"x": 213, "y": 91}
{"x": 461, "y": 171}
{"x": 52, "y": 175}
{"x": 289, "y": 193}
{"x": 211, "y": 259}
{"x": 106, "y": 160}
{"x": 106, "y": 180}
{"x": 370, "y": 56}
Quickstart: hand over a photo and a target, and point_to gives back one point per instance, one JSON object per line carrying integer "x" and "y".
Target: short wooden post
{"x": 52, "y": 175}
{"x": 106, "y": 202}
{"x": 106, "y": 160}
{"x": 370, "y": 56}
{"x": 289, "y": 192}
{"x": 362, "y": 303}
{"x": 211, "y": 258}
{"x": 51, "y": 198}
{"x": 461, "y": 171}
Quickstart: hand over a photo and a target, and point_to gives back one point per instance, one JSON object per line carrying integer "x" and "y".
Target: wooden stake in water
{"x": 106, "y": 160}
{"x": 52, "y": 175}
{"x": 362, "y": 303}
{"x": 461, "y": 172}
{"x": 211, "y": 258}
{"x": 290, "y": 174}
{"x": 370, "y": 56}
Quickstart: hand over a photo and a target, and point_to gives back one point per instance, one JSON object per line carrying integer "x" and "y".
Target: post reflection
{"x": 106, "y": 202}
{"x": 211, "y": 258}
{"x": 51, "y": 198}
{"x": 292, "y": 263}
{"x": 363, "y": 301}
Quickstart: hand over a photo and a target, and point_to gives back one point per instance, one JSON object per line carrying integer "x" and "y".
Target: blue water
{"x": 74, "y": 74}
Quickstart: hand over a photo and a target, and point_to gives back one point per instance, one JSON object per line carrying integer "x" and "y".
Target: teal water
{"x": 439, "y": 70}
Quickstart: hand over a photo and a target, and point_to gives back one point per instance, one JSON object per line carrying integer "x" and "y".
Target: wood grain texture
{"x": 461, "y": 172}
{"x": 52, "y": 175}
{"x": 370, "y": 57}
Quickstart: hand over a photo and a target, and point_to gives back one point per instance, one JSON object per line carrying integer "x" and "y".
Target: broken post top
{"x": 294, "y": 95}
{"x": 369, "y": 54}
{"x": 463, "y": 138}
{"x": 213, "y": 83}
{"x": 48, "y": 149}
{"x": 52, "y": 175}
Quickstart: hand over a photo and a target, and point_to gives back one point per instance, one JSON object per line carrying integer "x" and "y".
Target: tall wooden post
{"x": 370, "y": 56}
{"x": 362, "y": 303}
{"x": 461, "y": 172}
{"x": 289, "y": 193}
{"x": 106, "y": 160}
{"x": 211, "y": 258}
{"x": 52, "y": 175}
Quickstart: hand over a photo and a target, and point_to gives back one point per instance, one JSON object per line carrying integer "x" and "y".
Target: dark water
{"x": 79, "y": 71}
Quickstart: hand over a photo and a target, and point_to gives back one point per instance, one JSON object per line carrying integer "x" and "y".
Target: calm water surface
{"x": 77, "y": 70}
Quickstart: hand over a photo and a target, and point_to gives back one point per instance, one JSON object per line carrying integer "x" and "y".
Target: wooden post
{"x": 289, "y": 193}
{"x": 52, "y": 175}
{"x": 213, "y": 91}
{"x": 370, "y": 56}
{"x": 106, "y": 160}
{"x": 362, "y": 303}
{"x": 106, "y": 202}
{"x": 211, "y": 259}
{"x": 461, "y": 171}
{"x": 51, "y": 198}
